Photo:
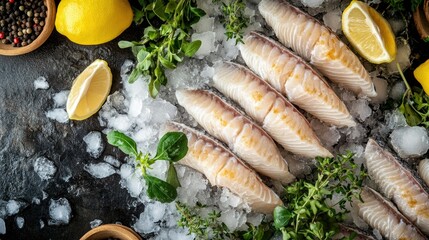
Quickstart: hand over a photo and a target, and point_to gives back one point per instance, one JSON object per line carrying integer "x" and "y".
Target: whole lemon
{"x": 91, "y": 22}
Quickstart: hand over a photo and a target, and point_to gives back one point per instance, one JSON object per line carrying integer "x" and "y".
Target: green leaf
{"x": 172, "y": 147}
{"x": 159, "y": 10}
{"x": 282, "y": 217}
{"x": 171, "y": 6}
{"x": 172, "y": 178}
{"x": 138, "y": 16}
{"x": 154, "y": 86}
{"x": 166, "y": 63}
{"x": 426, "y": 39}
{"x": 413, "y": 118}
{"x": 144, "y": 64}
{"x": 160, "y": 190}
{"x": 125, "y": 44}
{"x": 123, "y": 142}
{"x": 197, "y": 11}
{"x": 134, "y": 75}
{"x": 141, "y": 56}
{"x": 191, "y": 48}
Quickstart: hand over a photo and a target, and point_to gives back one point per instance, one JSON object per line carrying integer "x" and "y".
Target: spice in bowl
{"x": 21, "y": 21}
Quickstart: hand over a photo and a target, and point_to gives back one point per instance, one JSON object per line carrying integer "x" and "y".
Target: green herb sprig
{"x": 172, "y": 147}
{"x": 166, "y": 41}
{"x": 400, "y": 5}
{"x": 415, "y": 104}
{"x": 233, "y": 18}
{"x": 306, "y": 214}
{"x": 211, "y": 227}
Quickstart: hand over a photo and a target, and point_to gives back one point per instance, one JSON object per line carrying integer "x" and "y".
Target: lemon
{"x": 89, "y": 91}
{"x": 91, "y": 22}
{"x": 369, "y": 33}
{"x": 422, "y": 75}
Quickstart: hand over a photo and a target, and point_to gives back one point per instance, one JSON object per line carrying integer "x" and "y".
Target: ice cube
{"x": 94, "y": 144}
{"x": 2, "y": 226}
{"x": 121, "y": 123}
{"x": 152, "y": 214}
{"x": 233, "y": 219}
{"x": 112, "y": 161}
{"x": 312, "y": 3}
{"x": 208, "y": 40}
{"x": 410, "y": 141}
{"x": 328, "y": 135}
{"x": 45, "y": 168}
{"x": 99, "y": 170}
{"x": 20, "y": 222}
{"x": 402, "y": 57}
{"x": 42, "y": 223}
{"x": 381, "y": 88}
{"x": 205, "y": 24}
{"x": 59, "y": 212}
{"x": 332, "y": 19}
{"x": 360, "y": 109}
{"x": 397, "y": 90}
{"x": 95, "y": 223}
{"x": 131, "y": 180}
{"x": 135, "y": 108}
{"x": 58, "y": 114}
{"x": 41, "y": 83}
{"x": 13, "y": 207}
{"x": 60, "y": 99}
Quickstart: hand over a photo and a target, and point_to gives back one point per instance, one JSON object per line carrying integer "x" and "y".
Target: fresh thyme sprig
{"x": 166, "y": 41}
{"x": 400, "y": 5}
{"x": 211, "y": 227}
{"x": 233, "y": 18}
{"x": 172, "y": 147}
{"x": 306, "y": 214}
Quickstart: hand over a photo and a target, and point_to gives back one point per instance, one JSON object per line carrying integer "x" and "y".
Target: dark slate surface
{"x": 26, "y": 133}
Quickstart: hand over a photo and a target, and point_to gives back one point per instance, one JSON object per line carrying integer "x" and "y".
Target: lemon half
{"x": 89, "y": 91}
{"x": 369, "y": 33}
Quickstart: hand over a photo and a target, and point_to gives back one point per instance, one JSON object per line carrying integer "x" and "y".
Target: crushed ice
{"x": 41, "y": 83}
{"x": 94, "y": 144}
{"x": 45, "y": 168}
{"x": 59, "y": 212}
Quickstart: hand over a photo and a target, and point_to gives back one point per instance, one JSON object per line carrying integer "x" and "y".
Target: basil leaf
{"x": 172, "y": 147}
{"x": 125, "y": 44}
{"x": 281, "y": 217}
{"x": 123, "y": 142}
{"x": 172, "y": 178}
{"x": 160, "y": 190}
{"x": 191, "y": 48}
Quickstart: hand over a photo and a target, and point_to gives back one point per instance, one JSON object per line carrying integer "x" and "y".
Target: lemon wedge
{"x": 89, "y": 91}
{"x": 369, "y": 33}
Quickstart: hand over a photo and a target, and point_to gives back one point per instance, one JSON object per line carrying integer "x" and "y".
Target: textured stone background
{"x": 26, "y": 133}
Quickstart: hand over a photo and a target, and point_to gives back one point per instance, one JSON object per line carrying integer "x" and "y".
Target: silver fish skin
{"x": 222, "y": 168}
{"x": 270, "y": 109}
{"x": 317, "y": 44}
{"x": 292, "y": 76}
{"x": 423, "y": 170}
{"x": 249, "y": 141}
{"x": 382, "y": 215}
{"x": 398, "y": 184}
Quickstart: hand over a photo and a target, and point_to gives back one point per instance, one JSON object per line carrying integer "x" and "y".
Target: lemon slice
{"x": 89, "y": 91}
{"x": 369, "y": 33}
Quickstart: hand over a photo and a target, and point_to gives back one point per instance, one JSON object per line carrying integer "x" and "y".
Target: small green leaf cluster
{"x": 166, "y": 40}
{"x": 400, "y": 5}
{"x": 233, "y": 18}
{"x": 172, "y": 147}
{"x": 211, "y": 227}
{"x": 306, "y": 214}
{"x": 415, "y": 104}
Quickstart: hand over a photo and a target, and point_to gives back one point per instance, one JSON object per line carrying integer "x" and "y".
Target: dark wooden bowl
{"x": 421, "y": 20}
{"x": 9, "y": 50}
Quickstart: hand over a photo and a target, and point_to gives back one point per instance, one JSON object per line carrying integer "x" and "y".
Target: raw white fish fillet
{"x": 346, "y": 231}
{"x": 382, "y": 215}
{"x": 317, "y": 44}
{"x": 293, "y": 77}
{"x": 250, "y": 142}
{"x": 270, "y": 109}
{"x": 223, "y": 168}
{"x": 398, "y": 184}
{"x": 424, "y": 170}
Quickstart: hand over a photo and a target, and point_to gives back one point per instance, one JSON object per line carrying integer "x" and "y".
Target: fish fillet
{"x": 382, "y": 215}
{"x": 398, "y": 184}
{"x": 250, "y": 142}
{"x": 270, "y": 109}
{"x": 347, "y": 231}
{"x": 223, "y": 168}
{"x": 424, "y": 170}
{"x": 317, "y": 44}
{"x": 293, "y": 77}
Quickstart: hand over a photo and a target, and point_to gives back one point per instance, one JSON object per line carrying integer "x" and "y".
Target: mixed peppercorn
{"x": 21, "y": 21}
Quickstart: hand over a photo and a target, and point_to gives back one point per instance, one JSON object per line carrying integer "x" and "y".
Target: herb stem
{"x": 403, "y": 77}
